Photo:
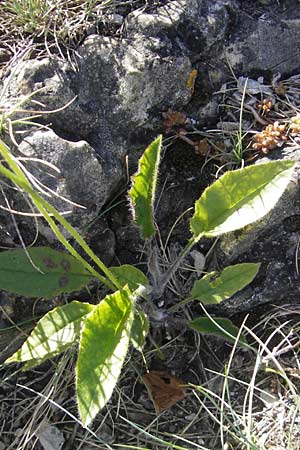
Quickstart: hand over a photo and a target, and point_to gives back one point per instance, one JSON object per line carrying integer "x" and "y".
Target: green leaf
{"x": 139, "y": 330}
{"x": 143, "y": 189}
{"x": 129, "y": 275}
{"x": 217, "y": 286}
{"x": 239, "y": 198}
{"x": 103, "y": 347}
{"x": 219, "y": 327}
{"x": 53, "y": 334}
{"x": 45, "y": 273}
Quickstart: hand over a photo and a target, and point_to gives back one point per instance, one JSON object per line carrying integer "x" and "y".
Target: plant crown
{"x": 104, "y": 331}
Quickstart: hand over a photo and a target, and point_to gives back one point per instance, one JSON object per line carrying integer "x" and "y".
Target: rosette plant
{"x": 103, "y": 332}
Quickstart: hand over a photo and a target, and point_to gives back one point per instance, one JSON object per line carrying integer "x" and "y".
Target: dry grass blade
{"x": 56, "y": 26}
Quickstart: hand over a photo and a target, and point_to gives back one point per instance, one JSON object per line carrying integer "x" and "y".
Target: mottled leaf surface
{"x": 218, "y": 286}
{"x": 103, "y": 347}
{"x": 42, "y": 272}
{"x": 53, "y": 334}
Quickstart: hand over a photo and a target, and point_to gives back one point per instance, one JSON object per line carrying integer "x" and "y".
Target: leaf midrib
{"x": 244, "y": 201}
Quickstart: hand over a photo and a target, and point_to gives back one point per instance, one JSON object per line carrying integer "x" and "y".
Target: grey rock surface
{"x": 196, "y": 24}
{"x": 50, "y": 437}
{"x": 263, "y": 41}
{"x": 118, "y": 86}
{"x": 84, "y": 178}
{"x": 115, "y": 88}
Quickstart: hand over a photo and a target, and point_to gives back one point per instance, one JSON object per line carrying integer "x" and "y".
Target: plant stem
{"x": 182, "y": 303}
{"x": 173, "y": 268}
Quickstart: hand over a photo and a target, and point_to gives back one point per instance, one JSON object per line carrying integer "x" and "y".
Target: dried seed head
{"x": 265, "y": 105}
{"x": 272, "y": 136}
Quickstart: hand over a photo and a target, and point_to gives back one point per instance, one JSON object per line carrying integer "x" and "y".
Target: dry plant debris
{"x": 164, "y": 389}
{"x": 172, "y": 119}
{"x": 270, "y": 119}
{"x": 265, "y": 105}
{"x": 37, "y": 29}
{"x": 272, "y": 136}
{"x": 202, "y": 147}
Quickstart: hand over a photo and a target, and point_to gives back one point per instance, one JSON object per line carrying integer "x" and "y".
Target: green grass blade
{"x": 142, "y": 193}
{"x": 41, "y": 272}
{"x": 103, "y": 347}
{"x": 239, "y": 198}
{"x": 53, "y": 334}
{"x": 218, "y": 286}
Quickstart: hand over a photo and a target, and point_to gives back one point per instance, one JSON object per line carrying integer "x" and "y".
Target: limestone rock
{"x": 117, "y": 86}
{"x": 264, "y": 41}
{"x": 196, "y": 24}
{"x": 84, "y": 178}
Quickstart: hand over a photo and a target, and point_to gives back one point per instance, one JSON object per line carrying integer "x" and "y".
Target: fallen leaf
{"x": 281, "y": 89}
{"x": 172, "y": 119}
{"x": 163, "y": 389}
{"x": 202, "y": 147}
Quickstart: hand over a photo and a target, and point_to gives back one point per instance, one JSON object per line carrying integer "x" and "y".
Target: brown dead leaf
{"x": 280, "y": 89}
{"x": 202, "y": 147}
{"x": 172, "y": 119}
{"x": 163, "y": 389}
